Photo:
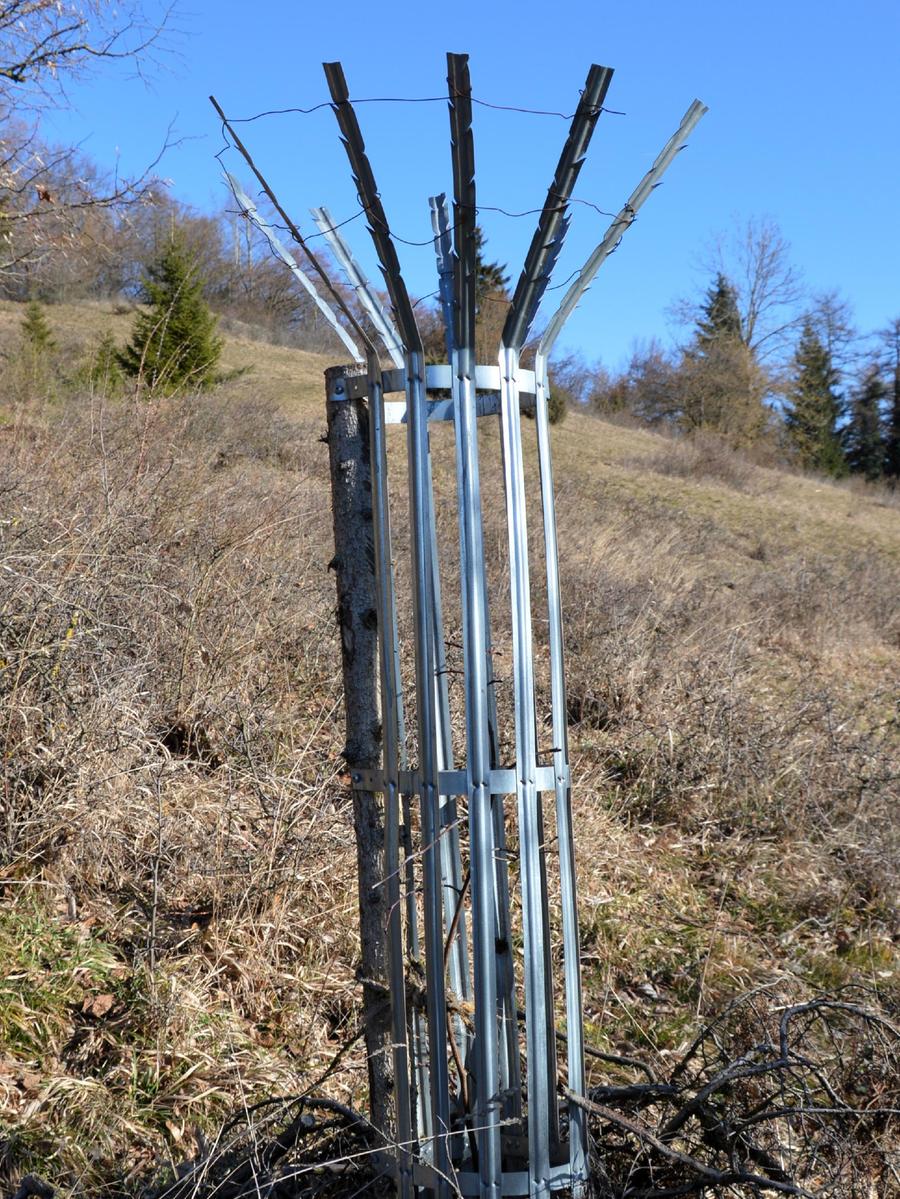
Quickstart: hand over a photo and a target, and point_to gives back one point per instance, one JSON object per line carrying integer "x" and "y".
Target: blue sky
{"x": 803, "y": 127}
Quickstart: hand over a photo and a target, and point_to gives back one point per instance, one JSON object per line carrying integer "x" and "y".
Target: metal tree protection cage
{"x": 472, "y": 955}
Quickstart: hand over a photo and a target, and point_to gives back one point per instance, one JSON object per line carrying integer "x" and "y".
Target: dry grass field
{"x": 177, "y": 877}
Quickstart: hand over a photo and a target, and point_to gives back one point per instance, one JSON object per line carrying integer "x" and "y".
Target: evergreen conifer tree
{"x": 36, "y": 330}
{"x": 491, "y": 302}
{"x": 721, "y": 317}
{"x": 173, "y": 342}
{"x": 865, "y": 438}
{"x": 814, "y": 406}
{"x": 891, "y": 339}
{"x": 106, "y": 372}
{"x": 490, "y": 277}
{"x": 100, "y": 371}
{"x": 722, "y": 386}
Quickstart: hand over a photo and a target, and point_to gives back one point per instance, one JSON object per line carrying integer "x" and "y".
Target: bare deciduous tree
{"x": 43, "y": 43}
{"x": 769, "y": 286}
{"x": 755, "y": 260}
{"x": 45, "y": 191}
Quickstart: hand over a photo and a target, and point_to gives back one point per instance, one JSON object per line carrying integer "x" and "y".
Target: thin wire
{"x": 416, "y": 303}
{"x": 532, "y": 211}
{"x": 429, "y": 241}
{"x": 536, "y": 112}
{"x": 477, "y": 208}
{"x": 285, "y": 229}
{"x": 542, "y": 112}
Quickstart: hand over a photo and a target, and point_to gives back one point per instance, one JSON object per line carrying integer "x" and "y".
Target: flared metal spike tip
{"x": 379, "y": 229}
{"x": 458, "y": 67}
{"x": 526, "y": 297}
{"x": 336, "y": 80}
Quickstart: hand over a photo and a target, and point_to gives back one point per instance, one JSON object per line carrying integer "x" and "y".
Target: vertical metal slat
{"x": 538, "y": 1019}
{"x": 391, "y": 717}
{"x": 481, "y": 828}
{"x": 578, "y": 1133}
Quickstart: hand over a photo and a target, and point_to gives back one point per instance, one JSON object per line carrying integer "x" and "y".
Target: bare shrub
{"x": 170, "y": 746}
{"x": 704, "y": 455}
{"x": 735, "y": 766}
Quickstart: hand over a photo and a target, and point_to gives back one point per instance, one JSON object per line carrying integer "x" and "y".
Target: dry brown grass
{"x": 170, "y": 737}
{"x": 174, "y": 831}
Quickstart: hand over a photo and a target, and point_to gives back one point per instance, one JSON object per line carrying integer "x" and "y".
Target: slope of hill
{"x": 177, "y": 900}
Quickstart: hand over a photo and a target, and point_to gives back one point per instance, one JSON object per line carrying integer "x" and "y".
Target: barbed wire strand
{"x": 396, "y": 237}
{"x": 297, "y": 109}
{"x": 429, "y": 241}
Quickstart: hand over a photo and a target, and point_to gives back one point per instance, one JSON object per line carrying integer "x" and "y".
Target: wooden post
{"x": 353, "y": 563}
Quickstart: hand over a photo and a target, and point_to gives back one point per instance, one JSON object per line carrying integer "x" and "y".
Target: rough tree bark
{"x": 353, "y": 563}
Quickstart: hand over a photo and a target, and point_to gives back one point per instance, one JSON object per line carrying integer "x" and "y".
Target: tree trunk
{"x": 353, "y": 563}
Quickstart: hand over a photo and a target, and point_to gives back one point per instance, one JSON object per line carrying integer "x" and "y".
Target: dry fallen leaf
{"x": 98, "y": 1005}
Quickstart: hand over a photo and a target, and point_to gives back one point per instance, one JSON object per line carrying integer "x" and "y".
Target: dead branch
{"x": 763, "y": 1098}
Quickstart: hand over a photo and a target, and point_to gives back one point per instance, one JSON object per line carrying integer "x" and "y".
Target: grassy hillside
{"x": 177, "y": 898}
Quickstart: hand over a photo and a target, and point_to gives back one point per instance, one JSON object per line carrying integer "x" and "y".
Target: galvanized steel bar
{"x": 443, "y": 251}
{"x": 440, "y": 220}
{"x": 423, "y": 597}
{"x": 391, "y": 723}
{"x": 253, "y": 215}
{"x": 509, "y": 1074}
{"x": 538, "y": 1014}
{"x": 418, "y": 1035}
{"x": 507, "y": 1007}
{"x": 423, "y": 600}
{"x": 451, "y": 862}
{"x": 475, "y": 648}
{"x": 578, "y": 1131}
{"x": 455, "y": 950}
{"x": 364, "y": 291}
{"x": 546, "y": 241}
{"x": 623, "y": 220}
